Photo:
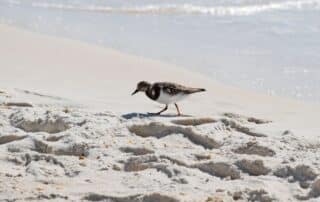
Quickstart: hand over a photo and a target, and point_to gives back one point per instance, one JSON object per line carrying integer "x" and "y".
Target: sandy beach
{"x": 71, "y": 131}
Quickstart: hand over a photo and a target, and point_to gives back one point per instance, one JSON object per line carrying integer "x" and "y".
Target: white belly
{"x": 165, "y": 98}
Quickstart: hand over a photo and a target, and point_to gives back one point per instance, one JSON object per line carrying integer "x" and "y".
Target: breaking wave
{"x": 190, "y": 8}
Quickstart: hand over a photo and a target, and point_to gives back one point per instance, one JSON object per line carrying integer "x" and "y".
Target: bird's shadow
{"x": 148, "y": 115}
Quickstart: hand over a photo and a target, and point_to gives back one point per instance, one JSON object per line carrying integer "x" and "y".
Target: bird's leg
{"x": 178, "y": 110}
{"x": 162, "y": 110}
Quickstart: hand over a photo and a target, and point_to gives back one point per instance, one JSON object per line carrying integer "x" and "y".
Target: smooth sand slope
{"x": 70, "y": 130}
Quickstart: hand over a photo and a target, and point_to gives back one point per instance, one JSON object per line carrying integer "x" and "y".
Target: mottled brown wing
{"x": 174, "y": 89}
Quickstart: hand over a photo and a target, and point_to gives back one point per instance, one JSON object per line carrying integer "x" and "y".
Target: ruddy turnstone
{"x": 166, "y": 93}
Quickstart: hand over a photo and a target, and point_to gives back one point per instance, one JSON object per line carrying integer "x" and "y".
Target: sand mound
{"x": 259, "y": 195}
{"x": 40, "y": 121}
{"x": 149, "y": 162}
{"x": 48, "y": 197}
{"x": 53, "y": 149}
{"x": 136, "y": 150}
{"x": 17, "y": 104}
{"x": 10, "y": 138}
{"x": 315, "y": 189}
{"x": 255, "y": 167}
{"x": 140, "y": 163}
{"x": 70, "y": 148}
{"x": 193, "y": 122}
{"x": 159, "y": 130}
{"x": 242, "y": 118}
{"x": 242, "y": 129}
{"x": 154, "y": 197}
{"x": 253, "y": 148}
{"x": 301, "y": 173}
{"x": 220, "y": 169}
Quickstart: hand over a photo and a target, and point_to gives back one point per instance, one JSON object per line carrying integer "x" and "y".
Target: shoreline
{"x": 164, "y": 65}
{"x": 157, "y": 66}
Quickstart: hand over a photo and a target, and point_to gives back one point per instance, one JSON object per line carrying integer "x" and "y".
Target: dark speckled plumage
{"x": 166, "y": 92}
{"x": 155, "y": 89}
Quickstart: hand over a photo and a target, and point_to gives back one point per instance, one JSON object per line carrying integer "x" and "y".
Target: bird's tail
{"x": 197, "y": 90}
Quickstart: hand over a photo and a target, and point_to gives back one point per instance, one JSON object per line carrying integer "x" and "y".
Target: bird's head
{"x": 142, "y": 86}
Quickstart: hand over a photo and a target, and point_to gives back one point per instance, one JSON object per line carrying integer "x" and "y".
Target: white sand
{"x": 40, "y": 145}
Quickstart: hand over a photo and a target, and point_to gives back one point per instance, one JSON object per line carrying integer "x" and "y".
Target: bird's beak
{"x": 135, "y": 92}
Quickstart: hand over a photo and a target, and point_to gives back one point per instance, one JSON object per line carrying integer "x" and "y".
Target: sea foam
{"x": 189, "y": 8}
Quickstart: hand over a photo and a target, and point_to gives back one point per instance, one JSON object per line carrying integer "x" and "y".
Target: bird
{"x": 166, "y": 93}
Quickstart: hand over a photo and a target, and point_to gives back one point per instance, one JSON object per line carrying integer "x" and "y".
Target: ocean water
{"x": 269, "y": 46}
